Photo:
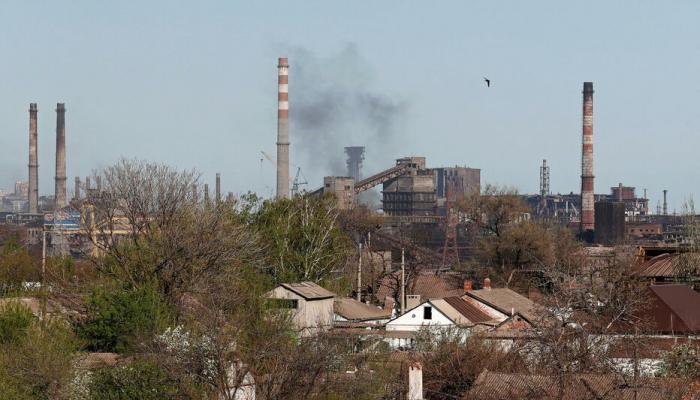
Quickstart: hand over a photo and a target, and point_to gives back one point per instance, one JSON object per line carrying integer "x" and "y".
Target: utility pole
{"x": 359, "y": 275}
{"x": 403, "y": 283}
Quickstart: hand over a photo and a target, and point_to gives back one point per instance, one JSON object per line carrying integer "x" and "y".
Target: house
{"x": 499, "y": 303}
{"x": 675, "y": 309}
{"x": 670, "y": 268}
{"x": 311, "y": 305}
{"x": 439, "y": 313}
{"x": 497, "y": 386}
{"x": 347, "y": 310}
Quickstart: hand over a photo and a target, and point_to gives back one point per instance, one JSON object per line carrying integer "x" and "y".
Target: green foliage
{"x": 120, "y": 318}
{"x": 138, "y": 380}
{"x": 15, "y": 319}
{"x": 682, "y": 360}
{"x": 15, "y": 267}
{"x": 38, "y": 364}
{"x": 303, "y": 237}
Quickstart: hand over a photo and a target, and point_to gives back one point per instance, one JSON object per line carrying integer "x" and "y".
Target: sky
{"x": 193, "y": 85}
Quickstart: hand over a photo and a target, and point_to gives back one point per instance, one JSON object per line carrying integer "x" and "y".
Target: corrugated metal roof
{"x": 354, "y": 310}
{"x": 469, "y": 311}
{"x": 309, "y": 290}
{"x": 663, "y": 265}
{"x": 683, "y": 302}
{"x": 497, "y": 386}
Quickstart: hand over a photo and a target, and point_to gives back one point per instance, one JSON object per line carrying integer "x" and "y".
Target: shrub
{"x": 139, "y": 380}
{"x": 119, "y": 318}
{"x": 15, "y": 319}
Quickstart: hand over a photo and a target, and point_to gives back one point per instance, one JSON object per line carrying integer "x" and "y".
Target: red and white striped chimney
{"x": 283, "y": 128}
{"x": 587, "y": 198}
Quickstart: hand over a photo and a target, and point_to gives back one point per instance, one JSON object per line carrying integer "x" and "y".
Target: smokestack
{"x": 619, "y": 192}
{"x": 665, "y": 203}
{"x": 206, "y": 193}
{"x": 356, "y": 155}
{"x": 195, "y": 195}
{"x": 60, "y": 189}
{"x": 218, "y": 187}
{"x": 587, "y": 198}
{"x": 33, "y": 161}
{"x": 76, "y": 196}
{"x": 283, "y": 128}
{"x": 98, "y": 183}
{"x": 87, "y": 186}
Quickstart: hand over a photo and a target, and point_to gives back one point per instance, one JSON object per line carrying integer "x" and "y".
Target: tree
{"x": 120, "y": 318}
{"x": 16, "y": 267}
{"x": 150, "y": 228}
{"x": 303, "y": 238}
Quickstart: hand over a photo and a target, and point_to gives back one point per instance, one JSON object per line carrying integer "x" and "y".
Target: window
{"x": 427, "y": 312}
{"x": 284, "y": 303}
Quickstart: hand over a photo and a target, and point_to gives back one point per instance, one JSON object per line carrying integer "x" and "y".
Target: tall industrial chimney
{"x": 206, "y": 193}
{"x": 665, "y": 203}
{"x": 218, "y": 188}
{"x": 33, "y": 161}
{"x": 60, "y": 190}
{"x": 587, "y": 198}
{"x": 76, "y": 195}
{"x": 356, "y": 155}
{"x": 283, "y": 128}
{"x": 98, "y": 183}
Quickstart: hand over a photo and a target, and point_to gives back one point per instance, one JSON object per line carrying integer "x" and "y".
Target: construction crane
{"x": 296, "y": 181}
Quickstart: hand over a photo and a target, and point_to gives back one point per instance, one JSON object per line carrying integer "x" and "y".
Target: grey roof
{"x": 309, "y": 290}
{"x": 506, "y": 301}
{"x": 354, "y": 310}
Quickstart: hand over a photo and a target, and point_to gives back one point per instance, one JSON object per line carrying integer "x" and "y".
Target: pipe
{"x": 665, "y": 203}
{"x": 587, "y": 177}
{"x": 283, "y": 128}
{"x": 60, "y": 188}
{"x": 76, "y": 195}
{"x": 33, "y": 160}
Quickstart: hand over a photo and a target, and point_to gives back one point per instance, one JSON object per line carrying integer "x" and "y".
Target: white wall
{"x": 413, "y": 319}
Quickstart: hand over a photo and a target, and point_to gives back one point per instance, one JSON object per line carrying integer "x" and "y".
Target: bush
{"x": 15, "y": 319}
{"x": 118, "y": 319}
{"x": 683, "y": 360}
{"x": 139, "y": 380}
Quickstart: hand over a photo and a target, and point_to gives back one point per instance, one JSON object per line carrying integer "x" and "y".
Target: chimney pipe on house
{"x": 33, "y": 160}
{"x": 283, "y": 128}
{"x": 587, "y": 177}
{"x": 468, "y": 285}
{"x": 60, "y": 188}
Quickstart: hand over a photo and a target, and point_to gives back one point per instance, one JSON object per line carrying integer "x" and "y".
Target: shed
{"x": 312, "y": 305}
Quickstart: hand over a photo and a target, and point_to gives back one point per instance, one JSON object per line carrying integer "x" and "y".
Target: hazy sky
{"x": 193, "y": 84}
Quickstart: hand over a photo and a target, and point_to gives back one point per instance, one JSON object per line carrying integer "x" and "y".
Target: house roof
{"x": 354, "y": 310}
{"x": 682, "y": 302}
{"x": 427, "y": 284}
{"x": 669, "y": 265}
{"x": 496, "y": 386}
{"x": 467, "y": 310}
{"x": 308, "y": 290}
{"x": 506, "y": 301}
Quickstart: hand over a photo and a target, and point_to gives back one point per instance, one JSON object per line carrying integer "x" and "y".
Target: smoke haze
{"x": 332, "y": 105}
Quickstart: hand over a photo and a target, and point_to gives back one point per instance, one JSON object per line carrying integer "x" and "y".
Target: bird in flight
{"x": 488, "y": 82}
